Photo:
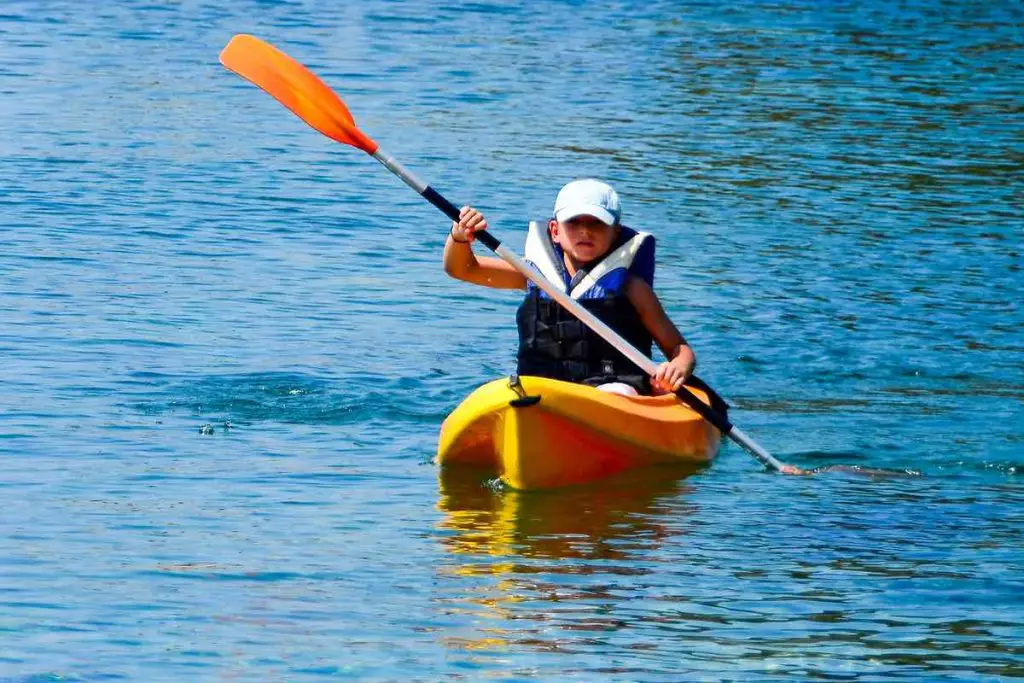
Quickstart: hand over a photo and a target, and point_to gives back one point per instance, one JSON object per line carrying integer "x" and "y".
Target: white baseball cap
{"x": 588, "y": 197}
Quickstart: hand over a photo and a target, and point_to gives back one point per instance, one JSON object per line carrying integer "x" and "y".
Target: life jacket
{"x": 554, "y": 343}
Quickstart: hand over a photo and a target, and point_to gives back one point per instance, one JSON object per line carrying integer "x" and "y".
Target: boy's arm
{"x": 681, "y": 359}
{"x": 461, "y": 263}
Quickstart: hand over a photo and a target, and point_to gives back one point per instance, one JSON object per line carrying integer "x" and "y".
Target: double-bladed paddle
{"x": 309, "y": 98}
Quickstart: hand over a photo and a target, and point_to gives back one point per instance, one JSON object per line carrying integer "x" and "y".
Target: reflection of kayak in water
{"x": 541, "y": 571}
{"x": 543, "y": 433}
{"x": 584, "y": 522}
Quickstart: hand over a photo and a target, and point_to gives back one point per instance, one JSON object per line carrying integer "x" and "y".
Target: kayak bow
{"x": 539, "y": 433}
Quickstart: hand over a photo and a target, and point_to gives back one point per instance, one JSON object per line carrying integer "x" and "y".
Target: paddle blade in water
{"x": 865, "y": 471}
{"x": 296, "y": 87}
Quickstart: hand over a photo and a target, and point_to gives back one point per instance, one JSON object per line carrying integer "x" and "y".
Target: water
{"x": 228, "y": 343}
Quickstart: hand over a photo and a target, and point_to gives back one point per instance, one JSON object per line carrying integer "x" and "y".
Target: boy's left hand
{"x": 669, "y": 377}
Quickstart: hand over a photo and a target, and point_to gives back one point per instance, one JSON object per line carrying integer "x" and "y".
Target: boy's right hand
{"x": 470, "y": 222}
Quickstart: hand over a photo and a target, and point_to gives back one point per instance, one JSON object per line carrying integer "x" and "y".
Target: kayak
{"x": 538, "y": 433}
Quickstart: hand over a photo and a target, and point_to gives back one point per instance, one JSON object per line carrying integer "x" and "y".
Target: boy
{"x": 604, "y": 265}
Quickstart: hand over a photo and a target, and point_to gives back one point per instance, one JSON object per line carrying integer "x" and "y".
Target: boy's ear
{"x": 553, "y": 228}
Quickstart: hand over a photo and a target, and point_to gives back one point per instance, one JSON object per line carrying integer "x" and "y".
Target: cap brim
{"x": 599, "y": 212}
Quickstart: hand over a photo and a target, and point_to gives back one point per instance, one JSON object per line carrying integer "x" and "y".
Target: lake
{"x": 229, "y": 345}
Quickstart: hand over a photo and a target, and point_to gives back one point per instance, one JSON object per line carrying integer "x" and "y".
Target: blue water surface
{"x": 228, "y": 343}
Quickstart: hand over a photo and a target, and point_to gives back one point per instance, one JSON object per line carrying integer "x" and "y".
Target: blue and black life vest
{"x": 554, "y": 343}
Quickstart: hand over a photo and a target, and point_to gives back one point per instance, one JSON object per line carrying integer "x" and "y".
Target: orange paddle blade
{"x": 296, "y": 87}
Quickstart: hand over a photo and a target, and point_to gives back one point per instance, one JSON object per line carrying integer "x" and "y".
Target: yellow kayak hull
{"x": 574, "y": 434}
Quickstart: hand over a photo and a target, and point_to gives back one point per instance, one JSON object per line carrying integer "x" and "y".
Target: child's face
{"x": 584, "y": 238}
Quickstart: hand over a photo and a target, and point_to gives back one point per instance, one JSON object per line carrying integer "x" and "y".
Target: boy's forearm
{"x": 459, "y": 259}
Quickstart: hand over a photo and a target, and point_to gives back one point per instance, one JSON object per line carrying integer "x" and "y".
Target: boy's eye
{"x": 593, "y": 224}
